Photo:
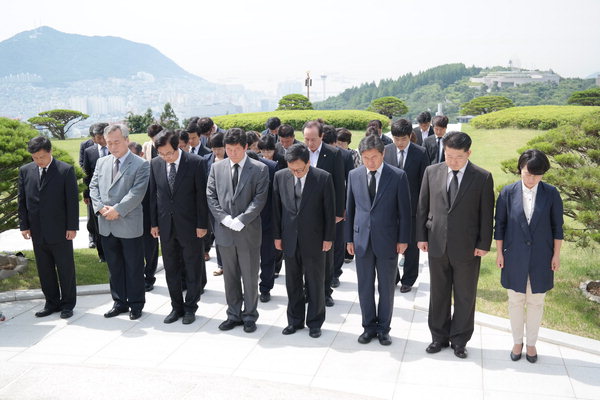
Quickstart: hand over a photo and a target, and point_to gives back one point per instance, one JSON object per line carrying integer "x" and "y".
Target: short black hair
{"x": 167, "y": 137}
{"x": 135, "y": 148}
{"x": 251, "y": 137}
{"x": 266, "y": 142}
{"x": 329, "y": 134}
{"x": 98, "y": 128}
{"x": 314, "y": 124}
{"x": 344, "y": 135}
{"x": 401, "y": 128}
{"x": 377, "y": 123}
{"x": 286, "y": 131}
{"x": 536, "y": 161}
{"x": 252, "y": 155}
{"x": 39, "y": 143}
{"x": 441, "y": 121}
{"x": 183, "y": 136}
{"x": 371, "y": 142}
{"x": 372, "y": 130}
{"x": 457, "y": 140}
{"x": 154, "y": 130}
{"x": 424, "y": 117}
{"x": 273, "y": 123}
{"x": 296, "y": 152}
{"x": 235, "y": 136}
{"x": 216, "y": 140}
{"x": 205, "y": 125}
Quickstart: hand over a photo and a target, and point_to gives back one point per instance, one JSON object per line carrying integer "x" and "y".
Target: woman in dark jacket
{"x": 529, "y": 219}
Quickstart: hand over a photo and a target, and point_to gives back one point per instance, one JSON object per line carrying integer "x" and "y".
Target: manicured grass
{"x": 88, "y": 269}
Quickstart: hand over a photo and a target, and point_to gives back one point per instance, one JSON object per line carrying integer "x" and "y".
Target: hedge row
{"x": 533, "y": 117}
{"x": 350, "y": 119}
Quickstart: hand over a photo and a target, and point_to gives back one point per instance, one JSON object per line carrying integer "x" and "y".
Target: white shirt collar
{"x": 377, "y": 173}
{"x": 41, "y": 168}
{"x": 317, "y": 151}
{"x": 405, "y": 150}
{"x": 122, "y": 159}
{"x": 533, "y": 190}
{"x": 241, "y": 163}
{"x": 460, "y": 171}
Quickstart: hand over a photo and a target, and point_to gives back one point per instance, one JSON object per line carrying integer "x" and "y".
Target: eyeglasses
{"x": 166, "y": 155}
{"x": 299, "y": 171}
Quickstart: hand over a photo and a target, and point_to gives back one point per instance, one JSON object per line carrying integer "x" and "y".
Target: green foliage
{"x": 14, "y": 136}
{"x": 294, "y": 102}
{"x": 574, "y": 151}
{"x": 485, "y": 105}
{"x": 138, "y": 123}
{"x": 58, "y": 122}
{"x": 168, "y": 119}
{"x": 389, "y": 106}
{"x": 590, "y": 97}
{"x": 350, "y": 119}
{"x": 534, "y": 117}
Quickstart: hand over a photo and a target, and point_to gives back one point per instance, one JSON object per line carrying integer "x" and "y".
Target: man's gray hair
{"x": 114, "y": 127}
{"x": 371, "y": 142}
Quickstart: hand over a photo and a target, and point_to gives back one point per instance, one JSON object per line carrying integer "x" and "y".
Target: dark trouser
{"x": 312, "y": 269}
{"x": 125, "y": 258}
{"x": 452, "y": 278}
{"x": 240, "y": 267}
{"x": 208, "y": 241}
{"x": 179, "y": 257}
{"x": 278, "y": 260}
{"x": 411, "y": 259}
{"x": 150, "y": 256}
{"x": 56, "y": 269}
{"x": 339, "y": 249}
{"x": 267, "y": 262}
{"x": 92, "y": 227}
{"x": 329, "y": 270}
{"x": 376, "y": 319}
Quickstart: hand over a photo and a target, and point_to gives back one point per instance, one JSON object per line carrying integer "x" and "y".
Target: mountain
{"x": 49, "y": 56}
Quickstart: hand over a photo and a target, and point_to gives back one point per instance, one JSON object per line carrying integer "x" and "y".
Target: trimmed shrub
{"x": 533, "y": 117}
{"x": 350, "y": 119}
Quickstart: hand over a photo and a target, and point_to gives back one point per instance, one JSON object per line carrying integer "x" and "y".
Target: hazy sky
{"x": 259, "y": 43}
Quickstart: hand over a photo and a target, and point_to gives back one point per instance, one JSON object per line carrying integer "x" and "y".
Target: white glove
{"x": 227, "y": 221}
{"x": 236, "y": 225}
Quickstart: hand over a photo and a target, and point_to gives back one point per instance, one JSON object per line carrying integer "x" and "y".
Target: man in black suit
{"x": 413, "y": 160}
{"x": 82, "y": 148}
{"x": 454, "y": 224}
{"x": 49, "y": 216}
{"x": 179, "y": 214}
{"x": 328, "y": 158}
{"x": 90, "y": 157}
{"x": 434, "y": 145}
{"x": 273, "y": 124}
{"x": 304, "y": 229}
{"x": 377, "y": 124}
{"x": 207, "y": 128}
{"x": 286, "y": 139}
{"x": 424, "y": 130}
{"x": 197, "y": 141}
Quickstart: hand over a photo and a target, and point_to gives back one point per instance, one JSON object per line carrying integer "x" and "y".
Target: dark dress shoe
{"x": 384, "y": 339}
{"x": 329, "y": 301}
{"x": 531, "y": 359}
{"x": 515, "y": 357}
{"x": 335, "y": 282}
{"x": 366, "y": 337}
{"x": 188, "y": 318}
{"x": 148, "y": 287}
{"x": 92, "y": 245}
{"x": 405, "y": 289}
{"x": 249, "y": 326}
{"x": 113, "y": 312}
{"x": 135, "y": 314}
{"x": 64, "y": 314}
{"x": 314, "y": 332}
{"x": 265, "y": 297}
{"x": 44, "y": 312}
{"x": 291, "y": 329}
{"x": 460, "y": 351}
{"x": 229, "y": 324}
{"x": 172, "y": 317}
{"x": 436, "y": 347}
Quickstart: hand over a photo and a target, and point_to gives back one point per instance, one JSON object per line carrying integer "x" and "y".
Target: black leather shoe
{"x": 435, "y": 347}
{"x": 135, "y": 314}
{"x": 329, "y": 301}
{"x": 113, "y": 312}
{"x": 515, "y": 357}
{"x": 265, "y": 297}
{"x": 405, "y": 289}
{"x": 460, "y": 351}
{"x": 64, "y": 314}
{"x": 531, "y": 359}
{"x": 229, "y": 325}
{"x": 291, "y": 329}
{"x": 172, "y": 317}
{"x": 384, "y": 339}
{"x": 315, "y": 332}
{"x": 366, "y": 337}
{"x": 148, "y": 287}
{"x": 188, "y": 318}
{"x": 249, "y": 326}
{"x": 44, "y": 312}
{"x": 92, "y": 245}
{"x": 335, "y": 282}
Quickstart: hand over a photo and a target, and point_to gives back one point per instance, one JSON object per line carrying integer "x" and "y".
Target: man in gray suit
{"x": 454, "y": 225}
{"x": 237, "y": 191}
{"x": 117, "y": 189}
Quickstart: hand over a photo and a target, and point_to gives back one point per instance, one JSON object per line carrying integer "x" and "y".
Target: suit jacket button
{"x": 528, "y": 243}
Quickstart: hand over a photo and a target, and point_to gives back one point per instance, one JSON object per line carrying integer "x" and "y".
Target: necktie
{"x": 43, "y": 177}
{"x": 453, "y": 188}
{"x": 372, "y": 186}
{"x": 115, "y": 170}
{"x": 104, "y": 151}
{"x": 401, "y": 160}
{"x": 193, "y": 150}
{"x": 439, "y": 150}
{"x": 172, "y": 173}
{"x": 234, "y": 180}
{"x": 298, "y": 193}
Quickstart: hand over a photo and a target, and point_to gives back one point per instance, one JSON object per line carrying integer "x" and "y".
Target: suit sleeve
{"x": 23, "y": 212}
{"x": 72, "y": 199}
{"x": 329, "y": 210}
{"x": 350, "y": 207}
{"x": 136, "y": 193}
{"x": 404, "y": 210}
{"x": 97, "y": 204}
{"x": 501, "y": 216}
{"x": 260, "y": 197}
{"x": 212, "y": 197}
{"x": 276, "y": 199}
{"x": 556, "y": 216}
{"x": 82, "y": 148}
{"x": 339, "y": 184}
{"x": 201, "y": 203}
{"x": 87, "y": 168}
{"x": 423, "y": 209}
{"x": 153, "y": 200}
{"x": 486, "y": 217}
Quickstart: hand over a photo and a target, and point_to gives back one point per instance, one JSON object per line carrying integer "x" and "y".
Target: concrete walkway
{"x": 90, "y": 357}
